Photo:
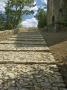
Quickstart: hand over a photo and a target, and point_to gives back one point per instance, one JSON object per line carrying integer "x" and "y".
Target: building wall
{"x": 65, "y": 10}
{"x": 56, "y": 11}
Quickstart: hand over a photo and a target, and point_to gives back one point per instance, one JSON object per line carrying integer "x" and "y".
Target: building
{"x": 56, "y": 12}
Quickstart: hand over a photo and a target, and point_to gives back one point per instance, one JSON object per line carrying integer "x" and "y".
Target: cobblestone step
{"x": 30, "y": 77}
{"x": 23, "y": 42}
{"x": 23, "y": 47}
{"x": 27, "y": 64}
{"x": 26, "y": 57}
{"x": 29, "y": 37}
{"x": 26, "y": 38}
{"x": 22, "y": 35}
{"x": 34, "y": 33}
{"x": 27, "y": 34}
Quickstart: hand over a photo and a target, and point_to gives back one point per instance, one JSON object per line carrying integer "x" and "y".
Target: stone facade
{"x": 57, "y": 11}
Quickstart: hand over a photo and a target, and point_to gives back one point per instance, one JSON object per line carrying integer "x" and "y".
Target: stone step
{"x": 27, "y": 65}
{"x": 22, "y": 47}
{"x": 26, "y": 57}
{"x": 23, "y": 42}
{"x": 26, "y": 39}
{"x": 30, "y": 77}
{"x": 23, "y": 38}
{"x": 33, "y": 32}
{"x": 27, "y": 34}
{"x": 33, "y": 40}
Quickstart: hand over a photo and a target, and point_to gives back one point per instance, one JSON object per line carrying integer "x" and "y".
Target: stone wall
{"x": 7, "y": 34}
{"x": 65, "y": 10}
{"x": 56, "y": 11}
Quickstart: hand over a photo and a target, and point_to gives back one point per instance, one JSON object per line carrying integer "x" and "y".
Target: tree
{"x": 14, "y": 11}
{"x": 41, "y": 17}
{"x": 2, "y": 21}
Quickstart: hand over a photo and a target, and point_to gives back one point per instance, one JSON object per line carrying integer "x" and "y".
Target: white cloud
{"x": 34, "y": 2}
{"x": 29, "y": 23}
{"x": 2, "y": 6}
{"x": 32, "y": 22}
{"x": 31, "y": 8}
{"x": 3, "y": 0}
{"x": 45, "y": 1}
{"x": 34, "y": 8}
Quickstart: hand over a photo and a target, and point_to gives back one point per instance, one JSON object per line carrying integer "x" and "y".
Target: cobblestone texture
{"x": 30, "y": 77}
{"x": 41, "y": 75}
{"x": 34, "y": 57}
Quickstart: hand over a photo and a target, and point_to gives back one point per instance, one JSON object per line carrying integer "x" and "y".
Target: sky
{"x": 28, "y": 20}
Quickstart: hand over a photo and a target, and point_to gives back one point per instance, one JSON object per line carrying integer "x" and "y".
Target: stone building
{"x": 56, "y": 11}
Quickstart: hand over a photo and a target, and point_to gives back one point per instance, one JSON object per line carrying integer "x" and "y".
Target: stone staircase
{"x": 27, "y": 64}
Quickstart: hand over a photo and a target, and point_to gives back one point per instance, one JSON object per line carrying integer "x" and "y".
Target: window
{"x": 53, "y": 20}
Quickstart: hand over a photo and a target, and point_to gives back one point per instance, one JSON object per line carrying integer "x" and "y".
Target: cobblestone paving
{"x": 30, "y": 67}
{"x": 22, "y": 57}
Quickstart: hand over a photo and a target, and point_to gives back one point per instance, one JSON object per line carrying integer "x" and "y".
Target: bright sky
{"x": 28, "y": 20}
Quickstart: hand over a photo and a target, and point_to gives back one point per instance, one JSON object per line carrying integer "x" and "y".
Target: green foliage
{"x": 2, "y": 23}
{"x": 41, "y": 17}
{"x": 14, "y": 11}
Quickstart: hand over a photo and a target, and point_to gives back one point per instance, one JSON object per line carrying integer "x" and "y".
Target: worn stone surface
{"x": 25, "y": 41}
{"x": 34, "y": 57}
{"x": 28, "y": 77}
{"x": 27, "y": 67}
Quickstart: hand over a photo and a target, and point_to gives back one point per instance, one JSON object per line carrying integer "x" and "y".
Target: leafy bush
{"x": 41, "y": 17}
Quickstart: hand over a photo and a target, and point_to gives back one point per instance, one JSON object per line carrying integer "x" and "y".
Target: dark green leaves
{"x": 14, "y": 12}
